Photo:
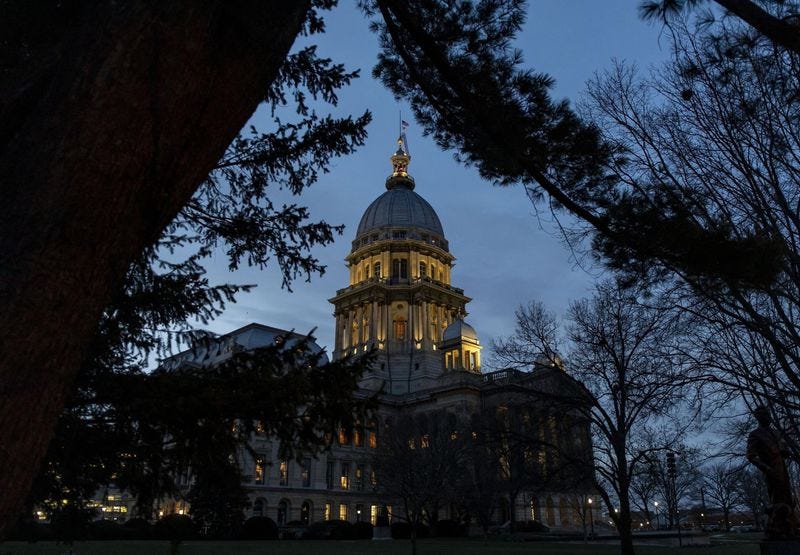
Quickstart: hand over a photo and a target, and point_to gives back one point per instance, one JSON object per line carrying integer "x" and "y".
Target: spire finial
{"x": 400, "y": 160}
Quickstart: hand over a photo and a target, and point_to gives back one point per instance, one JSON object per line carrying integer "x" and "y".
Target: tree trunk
{"x": 104, "y": 136}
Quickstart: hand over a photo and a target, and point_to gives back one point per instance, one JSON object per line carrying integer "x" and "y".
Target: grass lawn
{"x": 361, "y": 547}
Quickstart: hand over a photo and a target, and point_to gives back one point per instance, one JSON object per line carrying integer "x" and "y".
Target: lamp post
{"x": 656, "y": 504}
{"x": 591, "y": 518}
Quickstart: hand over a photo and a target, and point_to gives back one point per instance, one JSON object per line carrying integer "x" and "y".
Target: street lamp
{"x": 656, "y": 504}
{"x": 591, "y": 517}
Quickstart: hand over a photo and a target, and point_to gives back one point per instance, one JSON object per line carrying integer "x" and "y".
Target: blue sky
{"x": 505, "y": 254}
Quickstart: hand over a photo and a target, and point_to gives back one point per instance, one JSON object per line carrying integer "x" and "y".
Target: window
{"x": 342, "y": 511}
{"x": 259, "y": 471}
{"x": 329, "y": 476}
{"x": 373, "y": 478}
{"x": 366, "y": 271}
{"x": 377, "y": 272}
{"x": 425, "y": 441}
{"x": 305, "y": 512}
{"x": 399, "y": 235}
{"x": 400, "y": 268}
{"x": 400, "y": 329}
{"x": 283, "y": 511}
{"x": 344, "y": 436}
{"x": 283, "y": 470}
{"x": 261, "y": 429}
{"x": 358, "y": 435}
{"x": 328, "y": 512}
{"x": 373, "y": 514}
{"x": 344, "y": 479}
{"x": 359, "y": 510}
{"x": 360, "y": 477}
{"x": 372, "y": 439}
{"x": 305, "y": 472}
{"x": 423, "y": 269}
{"x": 473, "y": 361}
{"x": 258, "y": 507}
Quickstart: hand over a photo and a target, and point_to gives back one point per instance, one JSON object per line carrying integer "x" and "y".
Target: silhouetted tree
{"x": 628, "y": 372}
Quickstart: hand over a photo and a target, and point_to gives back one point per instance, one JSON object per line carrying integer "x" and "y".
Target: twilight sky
{"x": 505, "y": 255}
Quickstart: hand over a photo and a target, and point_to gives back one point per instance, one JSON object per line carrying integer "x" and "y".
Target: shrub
{"x": 106, "y": 530}
{"x": 260, "y": 528}
{"x": 531, "y": 526}
{"x": 138, "y": 529}
{"x": 175, "y": 528}
{"x": 330, "y": 530}
{"x": 362, "y": 530}
{"x": 450, "y": 529}
{"x": 402, "y": 530}
{"x": 342, "y": 530}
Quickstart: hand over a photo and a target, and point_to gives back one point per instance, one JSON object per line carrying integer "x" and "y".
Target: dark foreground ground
{"x": 740, "y": 544}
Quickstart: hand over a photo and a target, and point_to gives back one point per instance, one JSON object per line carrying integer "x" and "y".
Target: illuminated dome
{"x": 459, "y": 329}
{"x": 400, "y": 213}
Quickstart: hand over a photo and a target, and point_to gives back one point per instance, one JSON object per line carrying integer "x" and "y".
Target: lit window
{"x": 344, "y": 479}
{"x": 400, "y": 329}
{"x": 328, "y": 510}
{"x": 358, "y": 436}
{"x": 372, "y": 439}
{"x": 259, "y": 472}
{"x": 425, "y": 441}
{"x": 412, "y": 443}
{"x": 284, "y": 473}
{"x": 344, "y": 437}
{"x": 342, "y": 511}
{"x": 373, "y": 514}
{"x": 373, "y": 478}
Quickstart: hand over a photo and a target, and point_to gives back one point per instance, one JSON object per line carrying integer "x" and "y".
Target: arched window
{"x": 305, "y": 512}
{"x": 564, "y": 512}
{"x": 259, "y": 506}
{"x": 283, "y": 512}
{"x": 423, "y": 269}
{"x": 550, "y": 512}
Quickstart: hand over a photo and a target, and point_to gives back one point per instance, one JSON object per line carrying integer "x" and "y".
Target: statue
{"x": 767, "y": 451}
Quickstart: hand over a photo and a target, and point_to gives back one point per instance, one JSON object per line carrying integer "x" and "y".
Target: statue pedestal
{"x": 780, "y": 547}
{"x": 383, "y": 533}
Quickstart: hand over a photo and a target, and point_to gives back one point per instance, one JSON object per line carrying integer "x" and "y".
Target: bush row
{"x": 181, "y": 527}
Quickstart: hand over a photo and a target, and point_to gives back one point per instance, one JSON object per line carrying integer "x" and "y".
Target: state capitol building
{"x": 401, "y": 301}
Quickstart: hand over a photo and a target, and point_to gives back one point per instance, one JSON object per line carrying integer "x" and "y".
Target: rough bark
{"x": 103, "y": 138}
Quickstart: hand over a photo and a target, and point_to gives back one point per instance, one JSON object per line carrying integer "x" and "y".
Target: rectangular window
{"x": 373, "y": 478}
{"x": 358, "y": 435}
{"x": 344, "y": 479}
{"x": 400, "y": 268}
{"x": 259, "y": 471}
{"x": 327, "y": 515}
{"x": 329, "y": 475}
{"x": 305, "y": 472}
{"x": 360, "y": 477}
{"x": 261, "y": 429}
{"x": 344, "y": 436}
{"x": 283, "y": 469}
{"x": 342, "y": 511}
{"x": 373, "y": 514}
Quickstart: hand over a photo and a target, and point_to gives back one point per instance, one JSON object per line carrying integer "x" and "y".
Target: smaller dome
{"x": 459, "y": 329}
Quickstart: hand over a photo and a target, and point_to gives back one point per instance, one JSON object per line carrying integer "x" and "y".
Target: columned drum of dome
{"x": 400, "y": 298}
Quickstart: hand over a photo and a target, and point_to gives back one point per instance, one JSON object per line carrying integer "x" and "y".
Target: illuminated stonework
{"x": 400, "y": 298}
